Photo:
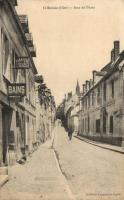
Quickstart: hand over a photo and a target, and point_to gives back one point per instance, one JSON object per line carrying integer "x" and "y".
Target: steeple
{"x": 77, "y": 88}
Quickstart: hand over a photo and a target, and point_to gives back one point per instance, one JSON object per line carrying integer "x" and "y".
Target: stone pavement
{"x": 103, "y": 145}
{"x": 39, "y": 179}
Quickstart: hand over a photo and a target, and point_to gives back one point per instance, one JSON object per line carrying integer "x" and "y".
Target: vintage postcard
{"x": 61, "y": 100}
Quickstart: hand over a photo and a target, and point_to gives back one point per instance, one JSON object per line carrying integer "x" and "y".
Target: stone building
{"x": 19, "y": 109}
{"x": 45, "y": 111}
{"x": 17, "y": 85}
{"x": 101, "y": 113}
{"x": 71, "y": 109}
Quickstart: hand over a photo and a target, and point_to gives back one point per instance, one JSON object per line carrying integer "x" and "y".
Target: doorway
{"x": 6, "y": 124}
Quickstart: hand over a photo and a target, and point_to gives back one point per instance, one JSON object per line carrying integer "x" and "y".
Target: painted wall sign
{"x": 22, "y": 63}
{"x": 17, "y": 89}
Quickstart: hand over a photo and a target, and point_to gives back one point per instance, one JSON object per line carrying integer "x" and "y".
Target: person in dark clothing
{"x": 70, "y": 131}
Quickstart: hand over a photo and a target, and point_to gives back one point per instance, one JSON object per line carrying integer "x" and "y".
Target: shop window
{"x": 111, "y": 124}
{"x": 98, "y": 126}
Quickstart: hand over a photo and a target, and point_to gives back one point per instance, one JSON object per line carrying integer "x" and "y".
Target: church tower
{"x": 77, "y": 88}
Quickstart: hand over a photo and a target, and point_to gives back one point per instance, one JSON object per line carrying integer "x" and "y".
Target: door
{"x": 6, "y": 123}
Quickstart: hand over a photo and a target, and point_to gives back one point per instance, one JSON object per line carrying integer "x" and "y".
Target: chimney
{"x": 94, "y": 76}
{"x": 116, "y": 49}
{"x": 91, "y": 83}
{"x": 84, "y": 88}
{"x": 69, "y": 95}
{"x": 87, "y": 85}
{"x": 112, "y": 56}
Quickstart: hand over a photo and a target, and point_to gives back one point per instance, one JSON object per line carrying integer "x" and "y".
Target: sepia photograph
{"x": 61, "y": 100}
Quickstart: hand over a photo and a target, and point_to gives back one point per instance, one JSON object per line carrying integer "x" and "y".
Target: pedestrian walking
{"x": 70, "y": 132}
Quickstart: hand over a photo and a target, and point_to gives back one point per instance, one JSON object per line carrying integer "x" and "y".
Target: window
{"x": 111, "y": 124}
{"x": 83, "y": 105}
{"x": 88, "y": 119}
{"x": 83, "y": 126}
{"x": 5, "y": 55}
{"x": 112, "y": 88}
{"x": 104, "y": 124}
{"x": 98, "y": 95}
{"x": 15, "y": 71}
{"x": 17, "y": 119}
{"x": 89, "y": 100}
{"x": 104, "y": 91}
{"x": 85, "y": 102}
{"x": 92, "y": 98}
{"x": 98, "y": 126}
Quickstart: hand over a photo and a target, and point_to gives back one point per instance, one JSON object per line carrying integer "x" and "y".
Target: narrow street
{"x": 86, "y": 170}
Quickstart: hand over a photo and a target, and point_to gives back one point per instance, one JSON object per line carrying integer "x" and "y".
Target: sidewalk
{"x": 102, "y": 145}
{"x": 40, "y": 178}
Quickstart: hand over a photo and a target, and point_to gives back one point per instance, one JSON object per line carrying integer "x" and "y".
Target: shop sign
{"x": 17, "y": 89}
{"x": 22, "y": 63}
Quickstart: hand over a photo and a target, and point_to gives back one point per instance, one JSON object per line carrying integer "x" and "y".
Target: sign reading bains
{"x": 17, "y": 89}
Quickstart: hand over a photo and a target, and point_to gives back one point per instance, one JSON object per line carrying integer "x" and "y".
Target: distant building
{"x": 71, "y": 110}
{"x": 101, "y": 115}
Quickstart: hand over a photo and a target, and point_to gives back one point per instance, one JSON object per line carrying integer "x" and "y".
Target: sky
{"x": 72, "y": 42}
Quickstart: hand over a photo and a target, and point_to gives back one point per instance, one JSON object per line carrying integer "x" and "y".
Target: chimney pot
{"x": 116, "y": 49}
{"x": 112, "y": 56}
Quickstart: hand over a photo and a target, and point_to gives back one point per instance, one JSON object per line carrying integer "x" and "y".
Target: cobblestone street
{"x": 89, "y": 173}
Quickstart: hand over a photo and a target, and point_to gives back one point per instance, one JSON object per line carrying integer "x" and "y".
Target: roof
{"x": 17, "y": 21}
{"x": 110, "y": 69}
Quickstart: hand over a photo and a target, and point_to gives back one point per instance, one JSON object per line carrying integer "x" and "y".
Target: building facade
{"x": 45, "y": 111}
{"x": 71, "y": 109}
{"x": 19, "y": 109}
{"x": 17, "y": 81}
{"x": 101, "y": 113}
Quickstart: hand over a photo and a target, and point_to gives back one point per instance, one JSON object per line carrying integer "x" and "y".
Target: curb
{"x": 69, "y": 192}
{"x": 3, "y": 179}
{"x": 98, "y": 145}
